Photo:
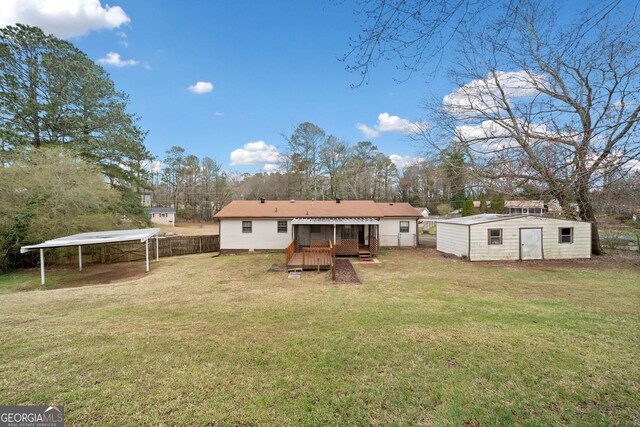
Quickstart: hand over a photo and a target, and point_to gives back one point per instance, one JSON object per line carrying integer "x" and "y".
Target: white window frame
{"x": 560, "y": 235}
{"x": 490, "y": 238}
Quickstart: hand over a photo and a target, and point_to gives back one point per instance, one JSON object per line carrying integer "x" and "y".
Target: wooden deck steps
{"x": 365, "y": 256}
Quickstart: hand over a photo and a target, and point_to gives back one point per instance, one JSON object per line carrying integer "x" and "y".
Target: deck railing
{"x": 290, "y": 251}
{"x": 318, "y": 255}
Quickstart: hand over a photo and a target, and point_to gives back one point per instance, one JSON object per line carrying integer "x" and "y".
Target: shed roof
{"x": 315, "y": 209}
{"x": 94, "y": 238}
{"x": 484, "y": 218}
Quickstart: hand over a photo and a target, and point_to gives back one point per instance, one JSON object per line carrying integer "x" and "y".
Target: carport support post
{"x": 79, "y": 258}
{"x": 42, "y": 266}
{"x": 334, "y": 234}
{"x": 157, "y": 252}
{"x": 146, "y": 252}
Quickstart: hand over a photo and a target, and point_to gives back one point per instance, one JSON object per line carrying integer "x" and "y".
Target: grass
{"x": 425, "y": 340}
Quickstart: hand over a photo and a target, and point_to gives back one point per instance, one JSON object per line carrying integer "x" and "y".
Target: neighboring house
{"x": 350, "y": 224}
{"x": 490, "y": 237}
{"x": 526, "y": 207}
{"x": 166, "y": 216}
{"x": 531, "y": 207}
{"x": 423, "y": 212}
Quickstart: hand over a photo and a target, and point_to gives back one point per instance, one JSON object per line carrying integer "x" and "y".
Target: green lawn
{"x": 425, "y": 340}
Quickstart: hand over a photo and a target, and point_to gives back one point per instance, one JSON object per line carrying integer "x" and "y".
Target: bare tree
{"x": 417, "y": 34}
{"x": 545, "y": 105}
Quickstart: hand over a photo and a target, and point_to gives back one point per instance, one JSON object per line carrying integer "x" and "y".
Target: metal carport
{"x": 95, "y": 238}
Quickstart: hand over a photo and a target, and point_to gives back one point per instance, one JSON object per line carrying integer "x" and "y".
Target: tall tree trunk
{"x": 587, "y": 213}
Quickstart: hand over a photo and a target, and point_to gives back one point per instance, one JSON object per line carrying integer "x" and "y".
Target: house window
{"x": 345, "y": 233}
{"x": 495, "y": 236}
{"x": 566, "y": 235}
{"x": 315, "y": 229}
{"x": 404, "y": 226}
{"x": 246, "y": 226}
{"x": 282, "y": 226}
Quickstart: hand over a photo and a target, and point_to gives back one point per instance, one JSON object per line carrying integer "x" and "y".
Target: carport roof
{"x": 95, "y": 238}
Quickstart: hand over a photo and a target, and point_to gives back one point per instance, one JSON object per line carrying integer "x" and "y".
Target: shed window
{"x": 495, "y": 236}
{"x": 246, "y": 226}
{"x": 404, "y": 226}
{"x": 282, "y": 226}
{"x": 566, "y": 235}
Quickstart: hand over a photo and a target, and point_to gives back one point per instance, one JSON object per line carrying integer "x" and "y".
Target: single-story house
{"x": 531, "y": 207}
{"x": 166, "y": 216}
{"x": 351, "y": 225}
{"x": 491, "y": 237}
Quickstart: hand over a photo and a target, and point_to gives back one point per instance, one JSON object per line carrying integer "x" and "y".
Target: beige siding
{"x": 390, "y": 235}
{"x": 264, "y": 234}
{"x": 510, "y": 248}
{"x": 167, "y": 219}
{"x": 452, "y": 239}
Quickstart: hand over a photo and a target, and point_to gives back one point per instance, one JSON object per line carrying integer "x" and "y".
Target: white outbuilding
{"x": 492, "y": 237}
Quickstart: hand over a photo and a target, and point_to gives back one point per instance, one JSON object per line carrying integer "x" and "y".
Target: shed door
{"x": 531, "y": 243}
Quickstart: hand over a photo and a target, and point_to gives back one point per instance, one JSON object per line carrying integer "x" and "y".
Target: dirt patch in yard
{"x": 92, "y": 274}
{"x": 345, "y": 273}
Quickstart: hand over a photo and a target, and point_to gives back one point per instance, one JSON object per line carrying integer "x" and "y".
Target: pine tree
{"x": 468, "y": 208}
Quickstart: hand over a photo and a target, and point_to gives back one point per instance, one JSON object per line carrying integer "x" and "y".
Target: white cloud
{"x": 483, "y": 95}
{"x": 254, "y": 153}
{"x": 218, "y": 114}
{"x": 62, "y": 18}
{"x": 201, "y": 87}
{"x": 113, "y": 58}
{"x": 367, "y": 131}
{"x": 272, "y": 167}
{"x": 123, "y": 39}
{"x": 402, "y": 162}
{"x": 388, "y": 123}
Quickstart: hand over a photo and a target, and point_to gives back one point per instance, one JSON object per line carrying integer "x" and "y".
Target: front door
{"x": 531, "y": 243}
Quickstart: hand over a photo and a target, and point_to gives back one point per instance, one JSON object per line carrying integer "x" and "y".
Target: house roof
{"x": 161, "y": 210}
{"x": 315, "y": 209}
{"x": 95, "y": 238}
{"x": 525, "y": 204}
{"x": 398, "y": 210}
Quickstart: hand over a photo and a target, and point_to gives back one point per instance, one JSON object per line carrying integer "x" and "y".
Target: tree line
{"x": 314, "y": 165}
{"x": 72, "y": 157}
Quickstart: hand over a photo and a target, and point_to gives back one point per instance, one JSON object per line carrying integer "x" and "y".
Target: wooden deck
{"x": 311, "y": 261}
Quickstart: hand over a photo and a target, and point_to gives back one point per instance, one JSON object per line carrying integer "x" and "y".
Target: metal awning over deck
{"x": 335, "y": 221}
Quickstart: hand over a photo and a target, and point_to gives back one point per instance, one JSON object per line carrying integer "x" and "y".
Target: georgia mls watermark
{"x": 31, "y": 416}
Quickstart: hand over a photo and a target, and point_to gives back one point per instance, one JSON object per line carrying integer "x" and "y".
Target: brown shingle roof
{"x": 314, "y": 209}
{"x": 398, "y": 209}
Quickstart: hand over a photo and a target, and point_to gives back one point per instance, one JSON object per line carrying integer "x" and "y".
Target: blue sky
{"x": 271, "y": 65}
